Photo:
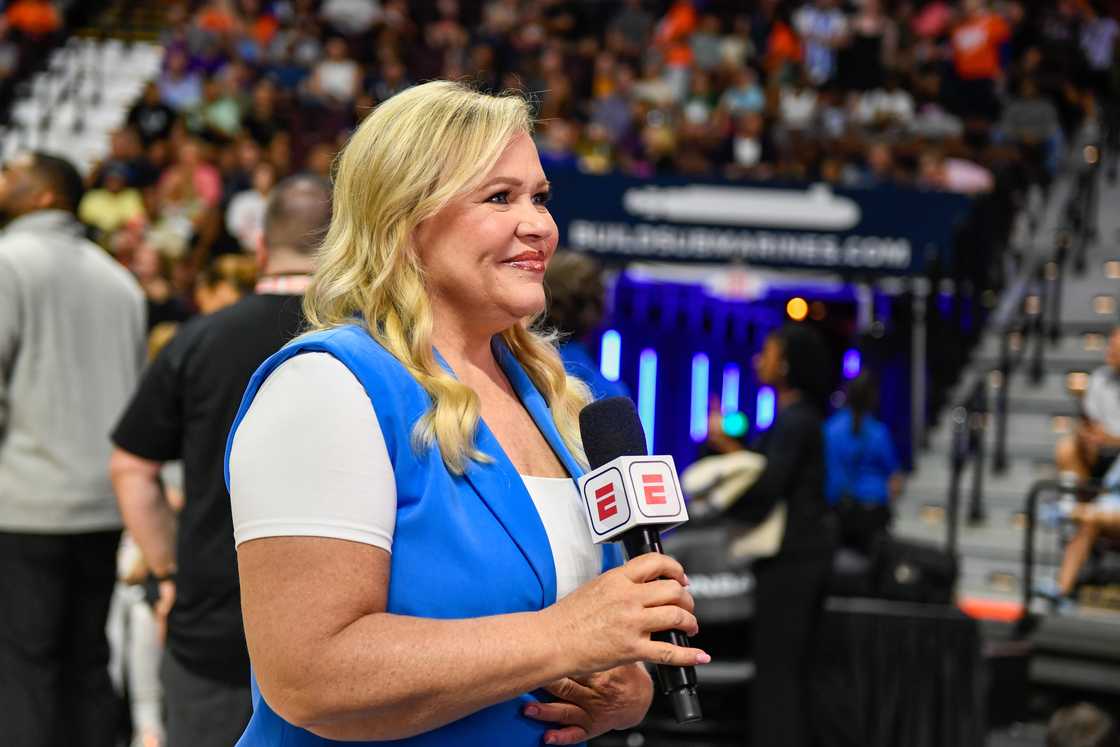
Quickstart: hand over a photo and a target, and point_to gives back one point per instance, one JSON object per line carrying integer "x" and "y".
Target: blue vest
{"x": 464, "y": 546}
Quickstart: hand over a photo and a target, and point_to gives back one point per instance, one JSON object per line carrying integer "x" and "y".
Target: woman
{"x": 413, "y": 561}
{"x": 788, "y": 586}
{"x": 862, "y": 471}
{"x": 577, "y": 296}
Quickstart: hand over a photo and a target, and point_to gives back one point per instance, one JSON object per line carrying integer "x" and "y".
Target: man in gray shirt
{"x": 71, "y": 347}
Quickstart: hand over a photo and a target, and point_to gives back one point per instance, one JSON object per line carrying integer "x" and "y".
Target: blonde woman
{"x": 414, "y": 564}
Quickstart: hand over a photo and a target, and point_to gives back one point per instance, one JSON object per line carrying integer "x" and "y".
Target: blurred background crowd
{"x": 936, "y": 94}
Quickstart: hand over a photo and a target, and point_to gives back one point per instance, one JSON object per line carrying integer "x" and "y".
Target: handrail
{"x": 1017, "y": 314}
{"x": 1031, "y": 513}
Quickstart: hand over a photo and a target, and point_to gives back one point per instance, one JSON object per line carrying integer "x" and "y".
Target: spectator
{"x": 744, "y": 95}
{"x": 862, "y": 475}
{"x": 576, "y": 302}
{"x": 634, "y": 25}
{"x": 1032, "y": 121}
{"x": 184, "y": 408}
{"x": 336, "y": 79}
{"x": 195, "y": 173}
{"x": 960, "y": 175}
{"x": 823, "y": 28}
{"x": 880, "y": 168}
{"x": 556, "y": 145}
{"x": 889, "y": 107}
{"x": 1099, "y": 35}
{"x": 217, "y": 17}
{"x": 1098, "y": 519}
{"x": 150, "y": 116}
{"x": 798, "y": 105}
{"x": 873, "y": 40}
{"x": 1082, "y": 725}
{"x": 111, "y": 206}
{"x": 153, "y": 271}
{"x": 264, "y": 120}
{"x": 71, "y": 347}
{"x": 179, "y": 88}
{"x": 976, "y": 42}
{"x": 218, "y": 115}
{"x": 33, "y": 19}
{"x": 736, "y": 48}
{"x": 707, "y": 44}
{"x": 351, "y": 18}
{"x": 672, "y": 40}
{"x": 245, "y": 214}
{"x": 224, "y": 282}
{"x": 750, "y": 146}
{"x": 783, "y": 51}
{"x": 1096, "y": 443}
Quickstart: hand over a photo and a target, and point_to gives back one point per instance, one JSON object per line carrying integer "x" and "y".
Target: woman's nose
{"x": 533, "y": 223}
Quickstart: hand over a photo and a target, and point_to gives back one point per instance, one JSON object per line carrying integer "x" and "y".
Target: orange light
{"x": 797, "y": 309}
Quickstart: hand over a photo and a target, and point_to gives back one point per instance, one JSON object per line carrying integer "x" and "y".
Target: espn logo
{"x": 653, "y": 489}
{"x": 606, "y": 502}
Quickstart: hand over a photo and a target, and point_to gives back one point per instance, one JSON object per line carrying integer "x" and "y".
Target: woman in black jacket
{"x": 789, "y": 586}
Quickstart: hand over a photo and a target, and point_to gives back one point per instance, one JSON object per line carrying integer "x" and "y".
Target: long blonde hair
{"x": 408, "y": 159}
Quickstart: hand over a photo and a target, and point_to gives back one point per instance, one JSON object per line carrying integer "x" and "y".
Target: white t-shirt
{"x": 309, "y": 459}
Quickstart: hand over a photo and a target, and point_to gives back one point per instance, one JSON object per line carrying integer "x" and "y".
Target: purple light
{"x": 851, "y": 363}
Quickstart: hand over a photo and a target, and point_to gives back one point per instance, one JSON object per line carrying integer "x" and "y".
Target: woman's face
{"x": 484, "y": 255}
{"x": 769, "y": 362}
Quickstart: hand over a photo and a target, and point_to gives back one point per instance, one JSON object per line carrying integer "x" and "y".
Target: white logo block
{"x": 632, "y": 491}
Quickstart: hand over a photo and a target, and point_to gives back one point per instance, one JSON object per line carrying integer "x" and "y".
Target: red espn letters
{"x": 605, "y": 501}
{"x": 653, "y": 486}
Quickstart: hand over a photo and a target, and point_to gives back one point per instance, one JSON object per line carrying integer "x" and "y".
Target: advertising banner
{"x": 890, "y": 230}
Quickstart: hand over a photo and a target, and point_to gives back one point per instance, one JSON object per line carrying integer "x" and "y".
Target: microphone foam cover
{"x": 610, "y": 428}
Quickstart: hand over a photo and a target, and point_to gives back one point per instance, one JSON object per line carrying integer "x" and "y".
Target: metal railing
{"x": 1026, "y": 321}
{"x": 1030, "y": 532}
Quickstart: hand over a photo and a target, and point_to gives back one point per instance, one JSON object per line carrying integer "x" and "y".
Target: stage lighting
{"x": 764, "y": 408}
{"x": 797, "y": 309}
{"x": 735, "y": 424}
{"x": 698, "y": 412}
{"x": 851, "y": 363}
{"x": 729, "y": 402}
{"x": 647, "y": 392}
{"x": 610, "y": 354}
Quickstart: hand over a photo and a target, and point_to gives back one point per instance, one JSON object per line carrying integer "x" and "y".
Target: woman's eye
{"x": 500, "y": 198}
{"x": 542, "y": 198}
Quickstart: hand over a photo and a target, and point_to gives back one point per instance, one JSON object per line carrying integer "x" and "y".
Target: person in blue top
{"x": 415, "y": 565}
{"x": 576, "y": 297}
{"x": 862, "y": 475}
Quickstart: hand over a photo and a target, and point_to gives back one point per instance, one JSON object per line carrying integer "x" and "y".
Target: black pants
{"x": 201, "y": 711}
{"x": 54, "y": 656}
{"x": 788, "y": 595}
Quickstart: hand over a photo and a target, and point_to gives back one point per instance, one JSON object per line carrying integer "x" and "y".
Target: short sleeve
{"x": 309, "y": 459}
{"x": 1094, "y": 391}
{"x": 151, "y": 426}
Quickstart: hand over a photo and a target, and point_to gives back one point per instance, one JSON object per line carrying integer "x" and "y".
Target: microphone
{"x": 631, "y": 496}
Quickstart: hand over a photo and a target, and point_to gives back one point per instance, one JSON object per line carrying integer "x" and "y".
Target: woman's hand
{"x": 607, "y": 621}
{"x": 589, "y": 706}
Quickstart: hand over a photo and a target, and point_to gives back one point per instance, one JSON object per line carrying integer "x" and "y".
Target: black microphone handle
{"x": 679, "y": 683}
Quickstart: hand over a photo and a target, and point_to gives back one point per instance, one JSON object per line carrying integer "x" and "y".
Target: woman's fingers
{"x": 567, "y": 714}
{"x": 654, "y": 565}
{"x": 667, "y": 591}
{"x": 658, "y": 652}
{"x": 567, "y": 735}
{"x": 671, "y": 618}
{"x": 570, "y": 689}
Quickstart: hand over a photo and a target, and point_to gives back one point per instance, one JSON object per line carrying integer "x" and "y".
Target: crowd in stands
{"x": 931, "y": 94}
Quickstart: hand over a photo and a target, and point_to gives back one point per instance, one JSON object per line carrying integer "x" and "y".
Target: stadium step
{"x": 1072, "y": 352}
